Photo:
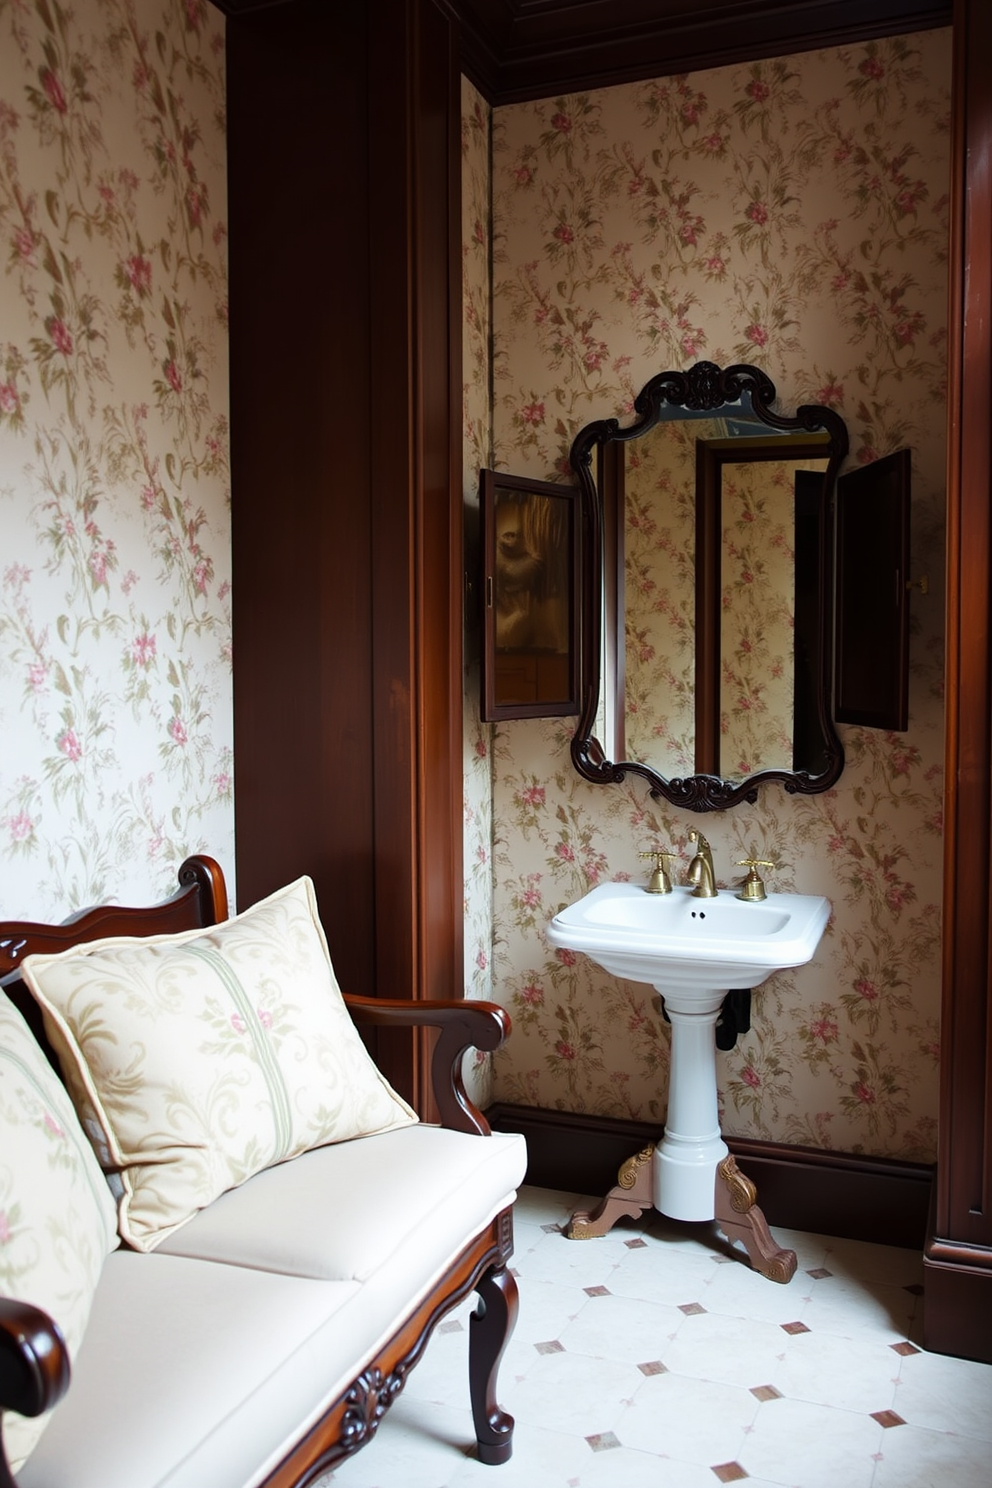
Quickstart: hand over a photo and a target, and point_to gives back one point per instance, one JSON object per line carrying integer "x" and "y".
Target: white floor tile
{"x": 737, "y": 1290}
{"x": 649, "y": 1358}
{"x": 695, "y": 1420}
{"x": 731, "y": 1351}
{"x": 671, "y": 1277}
{"x": 811, "y": 1446}
{"x": 911, "y": 1458}
{"x": 578, "y": 1263}
{"x": 854, "y": 1309}
{"x": 562, "y": 1393}
{"x": 851, "y": 1374}
{"x": 946, "y": 1394}
{"x": 623, "y": 1328}
{"x": 884, "y": 1263}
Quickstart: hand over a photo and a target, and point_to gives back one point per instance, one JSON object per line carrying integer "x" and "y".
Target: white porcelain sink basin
{"x": 677, "y": 939}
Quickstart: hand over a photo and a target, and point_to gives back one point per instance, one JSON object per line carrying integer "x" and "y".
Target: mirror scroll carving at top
{"x": 708, "y": 590}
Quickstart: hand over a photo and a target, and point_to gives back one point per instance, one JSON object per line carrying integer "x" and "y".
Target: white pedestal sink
{"x": 693, "y": 951}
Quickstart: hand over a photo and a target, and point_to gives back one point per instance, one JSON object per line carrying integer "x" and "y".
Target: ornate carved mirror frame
{"x": 703, "y": 388}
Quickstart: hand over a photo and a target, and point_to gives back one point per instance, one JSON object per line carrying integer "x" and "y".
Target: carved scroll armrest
{"x": 462, "y": 1026}
{"x": 34, "y": 1364}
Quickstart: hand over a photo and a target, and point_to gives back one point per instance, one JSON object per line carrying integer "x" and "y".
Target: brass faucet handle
{"x": 659, "y": 882}
{"x": 752, "y": 890}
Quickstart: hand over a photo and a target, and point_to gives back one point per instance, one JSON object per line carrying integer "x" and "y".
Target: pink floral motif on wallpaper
{"x": 773, "y": 213}
{"x": 114, "y": 610}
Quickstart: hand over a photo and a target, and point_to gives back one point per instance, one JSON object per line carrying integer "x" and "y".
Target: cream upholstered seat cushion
{"x": 57, "y": 1215}
{"x": 195, "y": 1372}
{"x": 198, "y": 1059}
{"x": 343, "y": 1213}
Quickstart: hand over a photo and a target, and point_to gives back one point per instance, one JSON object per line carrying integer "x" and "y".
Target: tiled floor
{"x": 651, "y": 1358}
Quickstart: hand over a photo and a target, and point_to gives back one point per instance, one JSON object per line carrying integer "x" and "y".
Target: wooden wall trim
{"x": 513, "y": 50}
{"x": 963, "y": 1208}
{"x": 958, "y": 1258}
{"x": 883, "y": 1200}
{"x": 345, "y": 389}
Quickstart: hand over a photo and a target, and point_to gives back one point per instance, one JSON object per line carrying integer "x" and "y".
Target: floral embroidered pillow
{"x": 57, "y": 1215}
{"x": 197, "y": 1059}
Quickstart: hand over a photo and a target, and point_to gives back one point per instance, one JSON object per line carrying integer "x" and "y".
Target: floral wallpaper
{"x": 115, "y": 632}
{"x": 791, "y": 213}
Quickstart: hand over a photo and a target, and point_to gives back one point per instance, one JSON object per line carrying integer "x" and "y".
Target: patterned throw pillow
{"x": 197, "y": 1059}
{"x": 57, "y": 1215}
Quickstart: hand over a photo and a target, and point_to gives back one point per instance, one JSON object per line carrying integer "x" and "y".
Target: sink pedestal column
{"x": 690, "y": 1174}
{"x": 689, "y": 1153}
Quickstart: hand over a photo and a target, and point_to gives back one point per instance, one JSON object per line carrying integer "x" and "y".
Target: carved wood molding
{"x": 515, "y": 49}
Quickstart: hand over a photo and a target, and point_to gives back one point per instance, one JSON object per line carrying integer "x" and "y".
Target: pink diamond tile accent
{"x": 603, "y": 1441}
{"x": 766, "y": 1392}
{"x": 597, "y": 1291}
{"x": 553, "y": 1347}
{"x": 654, "y": 1367}
{"x": 794, "y": 1328}
{"x": 692, "y": 1309}
{"x": 635, "y": 1244}
{"x": 819, "y": 1273}
{"x": 729, "y": 1472}
{"x": 904, "y": 1349}
{"x": 887, "y": 1418}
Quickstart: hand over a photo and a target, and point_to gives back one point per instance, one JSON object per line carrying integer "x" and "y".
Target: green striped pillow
{"x": 196, "y": 1060}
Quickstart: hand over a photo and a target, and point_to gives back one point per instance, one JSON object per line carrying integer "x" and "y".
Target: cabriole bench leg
{"x": 490, "y": 1327}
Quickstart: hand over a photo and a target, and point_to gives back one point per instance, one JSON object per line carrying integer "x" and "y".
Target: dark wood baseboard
{"x": 883, "y": 1200}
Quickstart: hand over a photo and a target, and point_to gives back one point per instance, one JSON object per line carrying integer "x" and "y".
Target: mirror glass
{"x": 708, "y": 584}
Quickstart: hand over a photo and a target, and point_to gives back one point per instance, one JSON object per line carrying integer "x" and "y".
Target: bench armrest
{"x": 34, "y": 1365}
{"x": 462, "y": 1026}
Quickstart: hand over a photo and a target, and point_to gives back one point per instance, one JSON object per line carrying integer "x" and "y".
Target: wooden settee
{"x": 200, "y": 1364}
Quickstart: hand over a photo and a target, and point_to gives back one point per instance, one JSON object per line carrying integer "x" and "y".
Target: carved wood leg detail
{"x": 739, "y": 1217}
{"x": 631, "y": 1195}
{"x": 489, "y": 1329}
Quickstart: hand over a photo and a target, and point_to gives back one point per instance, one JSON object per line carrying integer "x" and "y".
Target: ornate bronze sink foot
{"x": 631, "y": 1195}
{"x": 738, "y": 1216}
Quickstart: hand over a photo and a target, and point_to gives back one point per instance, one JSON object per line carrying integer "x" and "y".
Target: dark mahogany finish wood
{"x": 703, "y": 387}
{"x": 517, "y": 49}
{"x": 34, "y": 1361}
{"x": 873, "y": 586}
{"x": 462, "y": 1025}
{"x": 489, "y": 1329}
{"x": 34, "y": 1365}
{"x": 345, "y": 381}
{"x": 958, "y": 1259}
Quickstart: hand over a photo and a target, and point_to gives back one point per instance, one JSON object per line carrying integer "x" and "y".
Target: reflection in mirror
{"x": 710, "y": 590}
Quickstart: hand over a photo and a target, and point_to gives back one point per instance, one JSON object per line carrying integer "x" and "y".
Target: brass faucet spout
{"x": 700, "y": 870}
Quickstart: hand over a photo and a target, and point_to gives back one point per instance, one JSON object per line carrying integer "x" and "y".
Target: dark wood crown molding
{"x": 513, "y": 50}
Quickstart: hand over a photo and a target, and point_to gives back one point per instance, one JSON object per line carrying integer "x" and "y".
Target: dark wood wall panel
{"x": 343, "y": 122}
{"x": 958, "y": 1298}
{"x": 301, "y": 427}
